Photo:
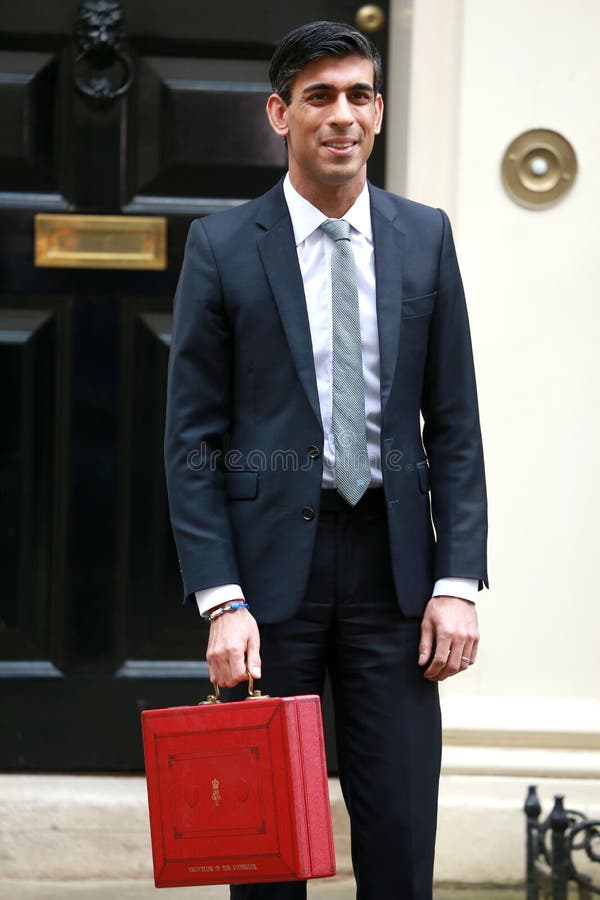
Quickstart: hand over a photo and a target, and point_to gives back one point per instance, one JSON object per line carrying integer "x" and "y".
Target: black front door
{"x": 145, "y": 109}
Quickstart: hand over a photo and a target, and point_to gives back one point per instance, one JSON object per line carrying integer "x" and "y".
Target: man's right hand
{"x": 233, "y": 648}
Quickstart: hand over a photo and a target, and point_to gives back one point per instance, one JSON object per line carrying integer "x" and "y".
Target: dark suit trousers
{"x": 386, "y": 713}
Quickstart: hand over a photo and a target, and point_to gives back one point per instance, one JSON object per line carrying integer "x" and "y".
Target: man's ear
{"x": 277, "y": 115}
{"x": 378, "y": 113}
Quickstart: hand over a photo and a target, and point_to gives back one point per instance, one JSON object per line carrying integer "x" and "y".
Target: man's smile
{"x": 340, "y": 146}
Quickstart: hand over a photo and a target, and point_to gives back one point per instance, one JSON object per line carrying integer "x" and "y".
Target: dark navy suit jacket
{"x": 244, "y": 439}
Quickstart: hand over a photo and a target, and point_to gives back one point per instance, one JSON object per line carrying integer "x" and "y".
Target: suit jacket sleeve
{"x": 198, "y": 416}
{"x": 451, "y": 431}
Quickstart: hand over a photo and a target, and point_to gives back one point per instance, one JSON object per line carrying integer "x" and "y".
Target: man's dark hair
{"x": 314, "y": 41}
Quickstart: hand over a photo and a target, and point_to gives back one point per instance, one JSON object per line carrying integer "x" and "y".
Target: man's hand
{"x": 450, "y": 625}
{"x": 233, "y": 648}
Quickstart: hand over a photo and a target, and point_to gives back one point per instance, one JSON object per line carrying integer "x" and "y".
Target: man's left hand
{"x": 450, "y": 626}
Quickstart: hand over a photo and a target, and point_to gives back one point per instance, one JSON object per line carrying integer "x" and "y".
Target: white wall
{"x": 481, "y": 73}
{"x": 531, "y": 279}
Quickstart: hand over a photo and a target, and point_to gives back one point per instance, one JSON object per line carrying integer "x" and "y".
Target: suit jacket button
{"x": 308, "y": 513}
{"x": 314, "y": 452}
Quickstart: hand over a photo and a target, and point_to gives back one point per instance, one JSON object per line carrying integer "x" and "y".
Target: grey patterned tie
{"x": 353, "y": 473}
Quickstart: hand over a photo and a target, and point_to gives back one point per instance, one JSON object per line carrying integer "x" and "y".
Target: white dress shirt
{"x": 314, "y": 255}
{"x": 314, "y": 248}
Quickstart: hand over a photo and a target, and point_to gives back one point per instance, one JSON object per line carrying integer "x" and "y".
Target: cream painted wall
{"x": 478, "y": 73}
{"x": 481, "y": 73}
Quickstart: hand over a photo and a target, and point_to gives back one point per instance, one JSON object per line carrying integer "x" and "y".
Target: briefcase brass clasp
{"x": 211, "y": 698}
{"x": 252, "y": 694}
{"x": 216, "y": 697}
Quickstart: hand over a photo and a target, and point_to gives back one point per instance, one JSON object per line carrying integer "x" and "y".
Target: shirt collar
{"x": 306, "y": 218}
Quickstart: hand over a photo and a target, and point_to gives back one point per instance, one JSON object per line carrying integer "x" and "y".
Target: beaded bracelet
{"x": 231, "y": 607}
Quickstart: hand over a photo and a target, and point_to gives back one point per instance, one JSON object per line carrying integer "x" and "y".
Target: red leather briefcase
{"x": 237, "y": 792}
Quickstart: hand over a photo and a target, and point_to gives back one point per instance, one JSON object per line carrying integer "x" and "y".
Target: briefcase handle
{"x": 252, "y": 694}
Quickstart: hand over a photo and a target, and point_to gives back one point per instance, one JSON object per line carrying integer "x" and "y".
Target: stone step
{"x": 85, "y": 828}
{"x": 78, "y": 827}
{"x": 338, "y": 888}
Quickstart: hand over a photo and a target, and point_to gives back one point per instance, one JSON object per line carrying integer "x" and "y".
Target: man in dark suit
{"x": 299, "y": 479}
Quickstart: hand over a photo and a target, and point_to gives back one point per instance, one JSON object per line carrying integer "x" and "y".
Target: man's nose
{"x": 342, "y": 112}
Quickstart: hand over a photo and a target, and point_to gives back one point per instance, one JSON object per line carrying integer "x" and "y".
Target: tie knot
{"x": 336, "y": 229}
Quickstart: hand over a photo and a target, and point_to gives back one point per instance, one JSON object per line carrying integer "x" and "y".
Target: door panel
{"x": 92, "y": 629}
{"x": 27, "y": 145}
{"x": 28, "y": 363}
{"x": 210, "y": 137}
{"x": 154, "y": 625}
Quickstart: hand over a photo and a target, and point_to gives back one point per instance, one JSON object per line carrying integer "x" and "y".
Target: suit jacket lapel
{"x": 278, "y": 252}
{"x": 388, "y": 239}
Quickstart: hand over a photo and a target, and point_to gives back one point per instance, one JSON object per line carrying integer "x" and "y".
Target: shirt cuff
{"x": 216, "y": 596}
{"x": 465, "y": 588}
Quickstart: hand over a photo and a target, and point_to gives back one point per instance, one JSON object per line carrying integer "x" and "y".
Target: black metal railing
{"x": 554, "y": 847}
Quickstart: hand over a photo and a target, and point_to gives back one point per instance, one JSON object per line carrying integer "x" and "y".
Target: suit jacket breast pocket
{"x": 418, "y": 306}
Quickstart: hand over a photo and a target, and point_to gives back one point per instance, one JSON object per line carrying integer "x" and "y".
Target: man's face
{"x": 330, "y": 123}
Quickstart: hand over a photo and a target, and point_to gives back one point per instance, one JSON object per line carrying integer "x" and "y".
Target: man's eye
{"x": 361, "y": 97}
